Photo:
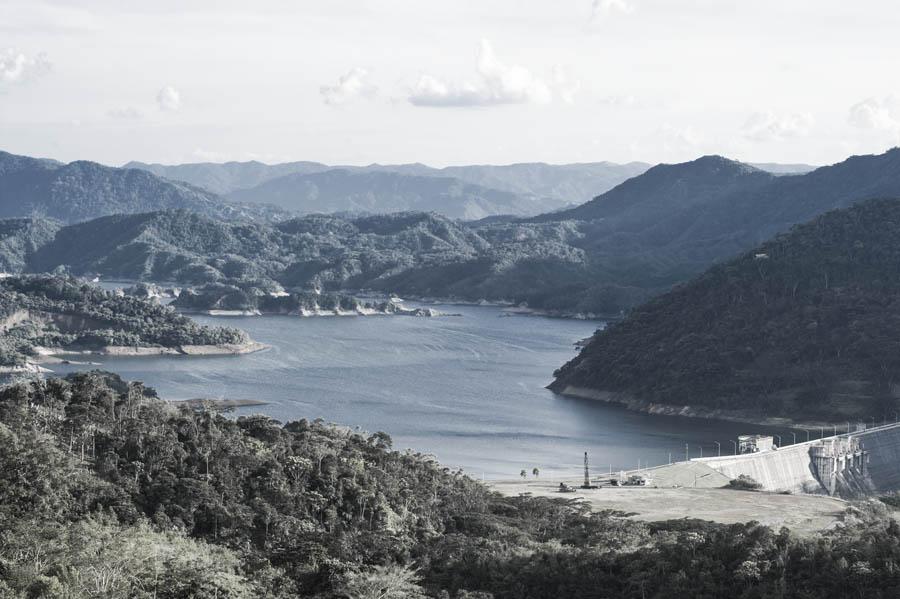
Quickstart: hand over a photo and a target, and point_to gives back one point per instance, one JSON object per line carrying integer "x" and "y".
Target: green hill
{"x": 806, "y": 326}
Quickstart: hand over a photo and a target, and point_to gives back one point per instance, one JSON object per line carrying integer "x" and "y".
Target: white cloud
{"x": 17, "y": 67}
{"x": 602, "y": 8}
{"x": 565, "y": 85}
{"x": 768, "y": 126}
{"x": 874, "y": 113}
{"x": 497, "y": 83}
{"x": 126, "y": 112}
{"x": 168, "y": 99}
{"x": 350, "y": 86}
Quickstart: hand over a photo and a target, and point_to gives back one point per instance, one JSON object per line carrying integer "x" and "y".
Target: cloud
{"x": 168, "y": 99}
{"x": 768, "y": 126}
{"x": 17, "y": 67}
{"x": 350, "y": 86}
{"x": 874, "y": 113}
{"x": 565, "y": 85}
{"x": 126, "y": 112}
{"x": 603, "y": 8}
{"x": 496, "y": 84}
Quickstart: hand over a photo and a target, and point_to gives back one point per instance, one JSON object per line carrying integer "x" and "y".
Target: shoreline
{"x": 647, "y": 407}
{"x": 49, "y": 355}
{"x": 319, "y": 313}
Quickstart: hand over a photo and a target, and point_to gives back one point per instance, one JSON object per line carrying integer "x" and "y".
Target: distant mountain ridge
{"x": 468, "y": 192}
{"x": 339, "y": 190}
{"x": 84, "y": 190}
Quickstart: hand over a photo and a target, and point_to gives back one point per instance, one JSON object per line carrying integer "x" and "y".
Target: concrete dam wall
{"x": 845, "y": 465}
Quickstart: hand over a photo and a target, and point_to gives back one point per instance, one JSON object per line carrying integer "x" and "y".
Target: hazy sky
{"x": 449, "y": 81}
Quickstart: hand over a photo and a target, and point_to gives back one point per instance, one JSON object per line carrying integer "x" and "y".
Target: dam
{"x": 847, "y": 465}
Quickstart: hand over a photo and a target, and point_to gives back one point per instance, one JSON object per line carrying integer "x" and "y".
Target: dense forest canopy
{"x": 106, "y": 490}
{"x": 806, "y": 325}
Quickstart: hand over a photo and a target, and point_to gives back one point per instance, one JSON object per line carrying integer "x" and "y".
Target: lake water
{"x": 468, "y": 389}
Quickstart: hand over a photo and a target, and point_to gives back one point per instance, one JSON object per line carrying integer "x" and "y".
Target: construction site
{"x": 803, "y": 485}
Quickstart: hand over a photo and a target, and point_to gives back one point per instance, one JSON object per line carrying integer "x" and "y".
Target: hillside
{"x": 20, "y": 238}
{"x": 83, "y": 190}
{"x": 64, "y": 315}
{"x": 310, "y": 251}
{"x": 340, "y": 190}
{"x": 668, "y": 189}
{"x": 805, "y": 326}
{"x": 104, "y": 485}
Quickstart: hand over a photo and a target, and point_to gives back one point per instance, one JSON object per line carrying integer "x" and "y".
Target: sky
{"x": 448, "y": 82}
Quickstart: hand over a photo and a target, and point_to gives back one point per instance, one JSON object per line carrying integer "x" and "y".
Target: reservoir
{"x": 468, "y": 389}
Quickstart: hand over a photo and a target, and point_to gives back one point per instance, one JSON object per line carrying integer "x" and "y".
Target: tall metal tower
{"x": 587, "y": 476}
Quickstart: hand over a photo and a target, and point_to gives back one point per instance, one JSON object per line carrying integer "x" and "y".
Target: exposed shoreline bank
{"x": 49, "y": 355}
{"x": 637, "y": 405}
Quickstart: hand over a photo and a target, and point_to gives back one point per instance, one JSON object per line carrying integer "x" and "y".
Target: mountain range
{"x": 635, "y": 241}
{"x": 83, "y": 190}
{"x": 465, "y": 192}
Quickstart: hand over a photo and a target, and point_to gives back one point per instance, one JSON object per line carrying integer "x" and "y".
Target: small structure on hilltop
{"x": 755, "y": 443}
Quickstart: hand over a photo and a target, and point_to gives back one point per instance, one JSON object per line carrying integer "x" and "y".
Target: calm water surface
{"x": 468, "y": 389}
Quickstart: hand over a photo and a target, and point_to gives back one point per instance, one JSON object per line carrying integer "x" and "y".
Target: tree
{"x": 384, "y": 582}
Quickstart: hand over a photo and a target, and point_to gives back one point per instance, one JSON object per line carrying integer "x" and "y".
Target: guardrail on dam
{"x": 845, "y": 465}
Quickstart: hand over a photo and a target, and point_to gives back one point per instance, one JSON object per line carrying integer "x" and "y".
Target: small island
{"x": 219, "y": 299}
{"x": 46, "y": 318}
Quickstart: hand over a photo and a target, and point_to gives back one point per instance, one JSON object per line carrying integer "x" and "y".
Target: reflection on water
{"x": 468, "y": 389}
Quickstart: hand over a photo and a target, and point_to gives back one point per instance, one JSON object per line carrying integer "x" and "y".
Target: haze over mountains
{"x": 466, "y": 192}
{"x": 82, "y": 190}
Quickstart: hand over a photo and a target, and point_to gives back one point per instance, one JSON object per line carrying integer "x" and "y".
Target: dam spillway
{"x": 844, "y": 465}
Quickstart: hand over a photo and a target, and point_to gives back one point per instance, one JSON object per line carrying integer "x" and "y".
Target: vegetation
{"x": 615, "y": 252}
{"x": 806, "y": 326}
{"x": 744, "y": 482}
{"x": 106, "y": 490}
{"x": 58, "y": 312}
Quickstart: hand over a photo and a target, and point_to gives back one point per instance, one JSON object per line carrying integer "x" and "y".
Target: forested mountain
{"x": 805, "y": 326}
{"x": 83, "y": 190}
{"x": 667, "y": 190}
{"x": 20, "y": 238}
{"x": 106, "y": 490}
{"x": 341, "y": 190}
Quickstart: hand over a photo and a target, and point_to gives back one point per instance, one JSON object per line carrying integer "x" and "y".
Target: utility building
{"x": 756, "y": 443}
